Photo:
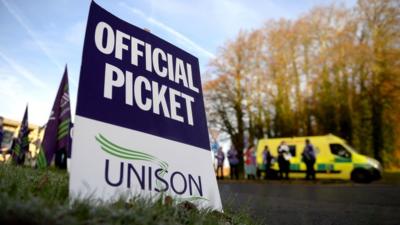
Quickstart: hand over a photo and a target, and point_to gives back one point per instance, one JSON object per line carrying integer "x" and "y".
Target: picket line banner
{"x": 140, "y": 125}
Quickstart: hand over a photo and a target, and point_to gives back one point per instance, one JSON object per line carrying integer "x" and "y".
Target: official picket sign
{"x": 140, "y": 125}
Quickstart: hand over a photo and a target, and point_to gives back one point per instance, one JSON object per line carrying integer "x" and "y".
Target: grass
{"x": 30, "y": 196}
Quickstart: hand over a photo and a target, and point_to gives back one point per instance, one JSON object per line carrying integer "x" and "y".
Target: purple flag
{"x": 57, "y": 134}
{"x": 21, "y": 145}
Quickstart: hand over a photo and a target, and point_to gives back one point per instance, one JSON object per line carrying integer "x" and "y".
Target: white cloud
{"x": 31, "y": 33}
{"x": 15, "y": 93}
{"x": 15, "y": 96}
{"x": 219, "y": 18}
{"x": 23, "y": 72}
{"x": 76, "y": 33}
{"x": 232, "y": 16}
{"x": 171, "y": 31}
{"x": 178, "y": 7}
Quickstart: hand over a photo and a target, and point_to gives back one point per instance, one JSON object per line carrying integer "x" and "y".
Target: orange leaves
{"x": 333, "y": 70}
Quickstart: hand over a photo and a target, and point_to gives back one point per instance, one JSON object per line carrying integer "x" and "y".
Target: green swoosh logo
{"x": 125, "y": 153}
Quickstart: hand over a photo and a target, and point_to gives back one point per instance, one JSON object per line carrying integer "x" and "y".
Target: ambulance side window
{"x": 292, "y": 150}
{"x": 339, "y": 150}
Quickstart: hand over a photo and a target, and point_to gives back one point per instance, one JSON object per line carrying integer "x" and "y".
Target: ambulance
{"x": 335, "y": 159}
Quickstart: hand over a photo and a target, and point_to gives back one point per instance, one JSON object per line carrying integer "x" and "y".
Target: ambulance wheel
{"x": 361, "y": 176}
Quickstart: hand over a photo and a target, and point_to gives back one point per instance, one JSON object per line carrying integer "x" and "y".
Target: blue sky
{"x": 37, "y": 38}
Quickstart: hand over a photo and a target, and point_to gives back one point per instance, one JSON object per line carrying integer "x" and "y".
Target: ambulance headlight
{"x": 375, "y": 163}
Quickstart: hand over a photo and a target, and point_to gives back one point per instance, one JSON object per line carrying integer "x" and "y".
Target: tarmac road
{"x": 319, "y": 203}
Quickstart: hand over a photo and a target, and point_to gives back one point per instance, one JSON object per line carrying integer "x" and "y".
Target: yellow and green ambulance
{"x": 335, "y": 158}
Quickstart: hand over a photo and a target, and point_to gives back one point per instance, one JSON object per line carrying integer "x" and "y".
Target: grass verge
{"x": 30, "y": 196}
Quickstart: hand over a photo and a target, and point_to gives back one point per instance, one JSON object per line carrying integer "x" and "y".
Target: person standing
{"x": 267, "y": 160}
{"x": 233, "y": 163}
{"x": 284, "y": 160}
{"x": 309, "y": 158}
{"x": 250, "y": 163}
{"x": 220, "y": 156}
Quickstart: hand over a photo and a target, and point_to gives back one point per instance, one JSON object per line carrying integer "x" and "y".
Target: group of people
{"x": 250, "y": 162}
{"x": 233, "y": 159}
{"x": 284, "y": 156}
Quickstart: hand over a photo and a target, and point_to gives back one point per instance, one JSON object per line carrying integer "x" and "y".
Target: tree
{"x": 333, "y": 70}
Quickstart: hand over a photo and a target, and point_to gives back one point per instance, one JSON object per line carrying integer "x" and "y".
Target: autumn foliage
{"x": 333, "y": 70}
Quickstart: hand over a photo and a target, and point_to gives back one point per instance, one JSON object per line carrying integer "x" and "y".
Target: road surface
{"x": 319, "y": 203}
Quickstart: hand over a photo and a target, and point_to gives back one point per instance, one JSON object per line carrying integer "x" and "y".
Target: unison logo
{"x": 131, "y": 173}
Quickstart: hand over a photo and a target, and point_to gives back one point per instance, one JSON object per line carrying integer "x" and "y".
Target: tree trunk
{"x": 377, "y": 131}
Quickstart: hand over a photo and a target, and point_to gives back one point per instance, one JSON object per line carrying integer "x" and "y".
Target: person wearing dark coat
{"x": 309, "y": 158}
{"x": 220, "y": 156}
{"x": 267, "y": 161}
{"x": 233, "y": 163}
